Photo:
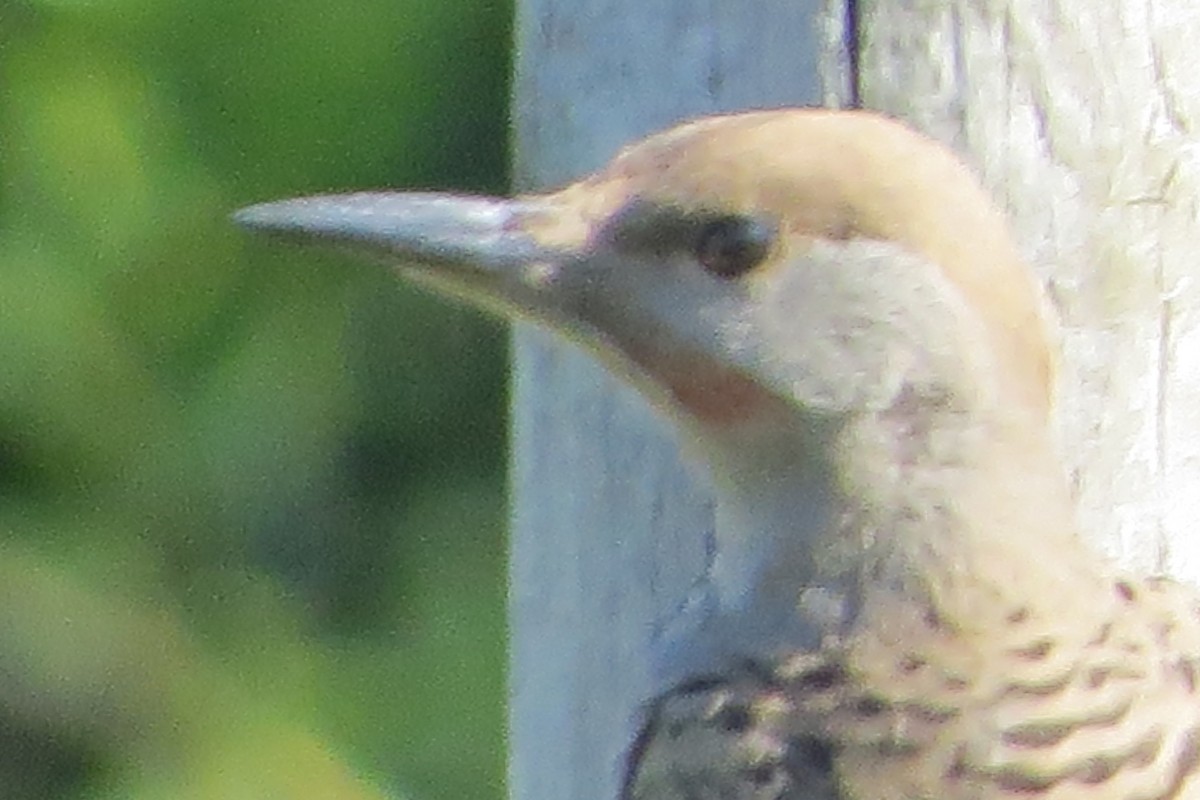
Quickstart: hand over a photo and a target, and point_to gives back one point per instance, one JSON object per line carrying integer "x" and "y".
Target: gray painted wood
{"x": 609, "y": 530}
{"x": 1080, "y": 123}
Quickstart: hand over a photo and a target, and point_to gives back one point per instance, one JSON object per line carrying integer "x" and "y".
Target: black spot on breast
{"x": 1102, "y": 636}
{"x": 1021, "y": 782}
{"x": 958, "y": 766}
{"x": 1037, "y": 734}
{"x": 869, "y": 706}
{"x": 814, "y": 753}
{"x": 931, "y": 714}
{"x": 822, "y": 679}
{"x": 956, "y": 683}
{"x": 1098, "y": 770}
{"x": 1035, "y": 651}
{"x": 762, "y": 774}
{"x": 1097, "y": 677}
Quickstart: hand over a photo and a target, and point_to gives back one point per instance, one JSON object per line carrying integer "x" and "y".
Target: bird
{"x": 838, "y": 323}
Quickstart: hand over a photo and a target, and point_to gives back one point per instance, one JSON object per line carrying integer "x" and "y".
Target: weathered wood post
{"x": 1080, "y": 118}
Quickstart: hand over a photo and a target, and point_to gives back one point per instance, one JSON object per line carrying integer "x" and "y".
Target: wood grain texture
{"x": 1081, "y": 119}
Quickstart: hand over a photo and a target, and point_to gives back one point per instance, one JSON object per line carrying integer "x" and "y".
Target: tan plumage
{"x": 1044, "y": 708}
{"x": 835, "y": 317}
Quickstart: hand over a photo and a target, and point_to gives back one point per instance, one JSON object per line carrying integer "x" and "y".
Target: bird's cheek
{"x": 711, "y": 393}
{"x": 721, "y": 398}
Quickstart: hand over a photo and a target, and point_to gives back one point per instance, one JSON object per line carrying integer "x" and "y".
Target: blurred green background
{"x": 251, "y": 497}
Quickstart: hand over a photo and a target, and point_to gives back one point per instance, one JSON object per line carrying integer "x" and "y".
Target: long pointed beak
{"x": 475, "y": 248}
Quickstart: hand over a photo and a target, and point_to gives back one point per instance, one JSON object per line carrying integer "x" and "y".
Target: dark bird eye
{"x": 732, "y": 246}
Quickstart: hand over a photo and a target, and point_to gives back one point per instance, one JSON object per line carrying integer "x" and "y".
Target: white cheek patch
{"x": 851, "y": 326}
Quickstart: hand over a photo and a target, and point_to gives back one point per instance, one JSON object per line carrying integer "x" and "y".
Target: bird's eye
{"x": 729, "y": 247}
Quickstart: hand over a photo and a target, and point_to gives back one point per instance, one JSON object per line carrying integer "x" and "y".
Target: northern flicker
{"x": 835, "y": 317}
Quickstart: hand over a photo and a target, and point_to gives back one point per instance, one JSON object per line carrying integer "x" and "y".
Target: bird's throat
{"x": 813, "y": 518}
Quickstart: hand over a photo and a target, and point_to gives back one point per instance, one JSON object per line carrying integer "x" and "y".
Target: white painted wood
{"x": 1079, "y": 116}
{"x": 1083, "y": 119}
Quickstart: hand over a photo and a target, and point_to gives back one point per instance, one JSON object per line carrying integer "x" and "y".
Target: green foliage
{"x": 251, "y": 497}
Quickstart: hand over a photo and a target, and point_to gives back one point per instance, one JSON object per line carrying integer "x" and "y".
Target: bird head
{"x": 740, "y": 269}
{"x": 824, "y": 302}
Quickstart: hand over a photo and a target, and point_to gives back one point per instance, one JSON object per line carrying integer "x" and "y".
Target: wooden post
{"x": 1081, "y": 117}
{"x": 1079, "y": 123}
